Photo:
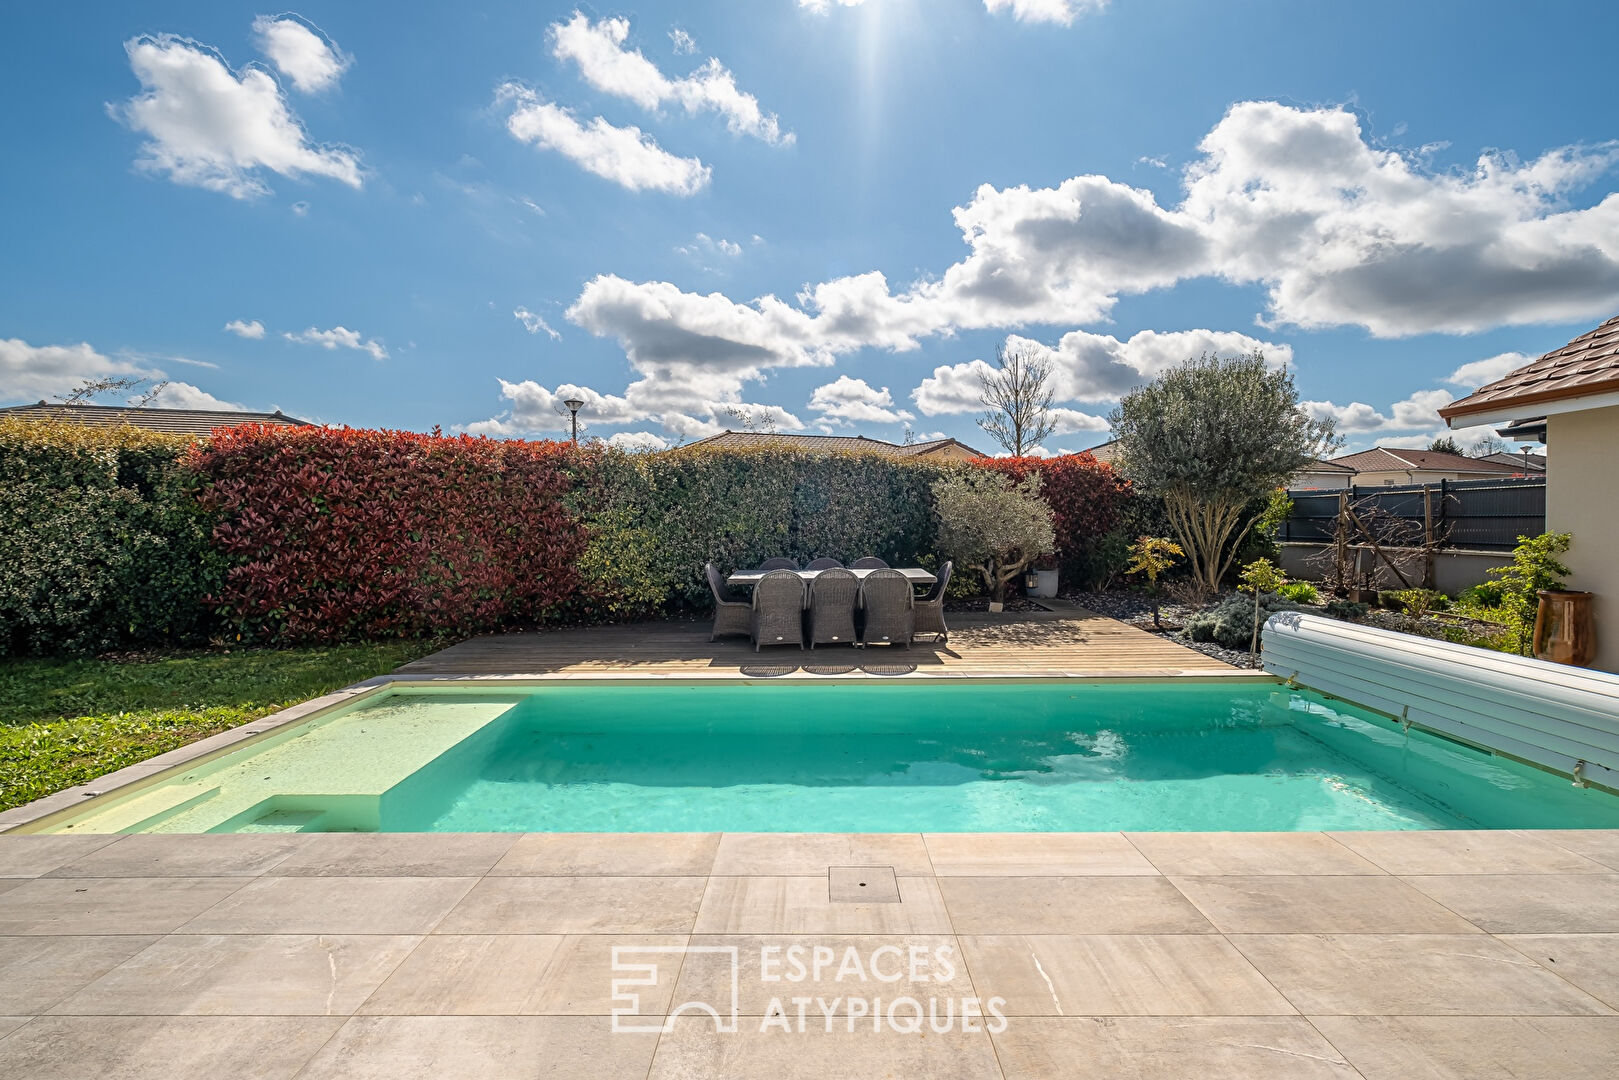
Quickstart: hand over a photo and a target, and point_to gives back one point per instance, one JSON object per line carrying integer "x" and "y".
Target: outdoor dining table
{"x": 914, "y": 574}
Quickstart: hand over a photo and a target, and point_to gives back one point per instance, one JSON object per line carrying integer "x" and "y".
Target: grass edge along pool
{"x": 845, "y": 756}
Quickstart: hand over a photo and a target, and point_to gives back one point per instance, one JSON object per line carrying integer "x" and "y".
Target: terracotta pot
{"x": 1565, "y": 628}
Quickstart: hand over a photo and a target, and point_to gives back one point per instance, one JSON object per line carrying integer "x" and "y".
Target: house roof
{"x": 1322, "y": 465}
{"x": 857, "y": 444}
{"x": 1521, "y": 462}
{"x": 1399, "y": 459}
{"x": 172, "y": 421}
{"x": 1586, "y": 366}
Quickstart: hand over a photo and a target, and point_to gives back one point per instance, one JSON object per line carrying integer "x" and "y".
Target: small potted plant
{"x": 1042, "y": 577}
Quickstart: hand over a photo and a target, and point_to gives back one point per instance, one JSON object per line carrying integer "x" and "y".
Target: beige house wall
{"x": 1582, "y": 497}
{"x": 1407, "y": 477}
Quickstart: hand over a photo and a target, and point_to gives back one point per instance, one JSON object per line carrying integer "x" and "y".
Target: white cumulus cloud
{"x": 252, "y": 329}
{"x": 312, "y": 61}
{"x": 1061, "y": 12}
{"x": 604, "y": 62}
{"x": 339, "y": 337}
{"x": 625, "y": 155}
{"x": 820, "y": 7}
{"x": 1479, "y": 372}
{"x": 638, "y": 441}
{"x": 183, "y": 395}
{"x": 1419, "y": 411}
{"x": 30, "y": 373}
{"x": 35, "y": 372}
{"x": 848, "y": 400}
{"x": 209, "y": 127}
{"x": 535, "y": 409}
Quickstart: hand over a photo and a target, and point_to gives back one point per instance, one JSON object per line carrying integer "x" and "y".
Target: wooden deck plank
{"x": 1072, "y": 642}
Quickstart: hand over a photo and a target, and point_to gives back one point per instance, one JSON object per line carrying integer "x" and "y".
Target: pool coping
{"x": 25, "y": 819}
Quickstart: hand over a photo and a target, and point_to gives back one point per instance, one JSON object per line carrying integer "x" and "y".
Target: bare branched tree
{"x": 751, "y": 419}
{"x": 90, "y": 389}
{"x": 1017, "y": 399}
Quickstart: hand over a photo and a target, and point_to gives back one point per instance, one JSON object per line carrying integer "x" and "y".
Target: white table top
{"x": 914, "y": 574}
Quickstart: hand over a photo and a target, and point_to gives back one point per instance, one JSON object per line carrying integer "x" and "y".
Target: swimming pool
{"x": 903, "y": 756}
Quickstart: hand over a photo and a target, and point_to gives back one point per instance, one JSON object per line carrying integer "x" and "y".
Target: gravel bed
{"x": 1136, "y": 609}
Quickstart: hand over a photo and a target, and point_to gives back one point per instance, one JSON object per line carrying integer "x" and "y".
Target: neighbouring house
{"x": 1384, "y": 466}
{"x": 1107, "y": 453}
{"x": 1322, "y": 475}
{"x": 1527, "y": 463}
{"x": 932, "y": 450}
{"x": 1574, "y": 391}
{"x": 172, "y": 421}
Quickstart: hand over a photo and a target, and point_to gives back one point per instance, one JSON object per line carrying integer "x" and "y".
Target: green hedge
{"x": 107, "y": 542}
{"x": 101, "y": 539}
{"x": 655, "y": 519}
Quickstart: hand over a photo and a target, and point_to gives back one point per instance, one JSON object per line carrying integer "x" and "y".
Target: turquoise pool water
{"x": 857, "y": 757}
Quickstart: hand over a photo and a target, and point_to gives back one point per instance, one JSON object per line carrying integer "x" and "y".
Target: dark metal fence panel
{"x": 1485, "y": 515}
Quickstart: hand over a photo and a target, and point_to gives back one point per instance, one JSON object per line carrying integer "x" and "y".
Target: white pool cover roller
{"x": 1563, "y": 718}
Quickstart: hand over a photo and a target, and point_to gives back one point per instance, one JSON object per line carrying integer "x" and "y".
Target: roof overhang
{"x": 1507, "y": 410}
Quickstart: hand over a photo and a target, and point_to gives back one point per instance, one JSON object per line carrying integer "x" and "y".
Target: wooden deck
{"x": 1073, "y": 642}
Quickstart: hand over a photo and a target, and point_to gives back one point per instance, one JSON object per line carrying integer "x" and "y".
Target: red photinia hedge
{"x": 1085, "y": 496}
{"x": 338, "y": 533}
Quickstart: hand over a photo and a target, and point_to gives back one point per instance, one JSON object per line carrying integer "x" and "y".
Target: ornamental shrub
{"x": 101, "y": 542}
{"x": 992, "y": 524}
{"x": 1535, "y": 566}
{"x": 336, "y": 534}
{"x": 1230, "y": 623}
{"x": 1087, "y": 499}
{"x": 1299, "y": 592}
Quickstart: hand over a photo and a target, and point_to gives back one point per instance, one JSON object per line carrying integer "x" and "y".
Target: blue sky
{"x": 823, "y": 214}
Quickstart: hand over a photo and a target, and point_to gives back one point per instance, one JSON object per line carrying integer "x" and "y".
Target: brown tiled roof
{"x": 1384, "y": 459}
{"x": 1322, "y": 465}
{"x": 1587, "y": 365}
{"x": 172, "y": 421}
{"x": 830, "y": 444}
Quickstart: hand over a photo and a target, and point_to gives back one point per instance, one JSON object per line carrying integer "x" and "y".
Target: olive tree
{"x": 1212, "y": 437}
{"x": 992, "y": 525}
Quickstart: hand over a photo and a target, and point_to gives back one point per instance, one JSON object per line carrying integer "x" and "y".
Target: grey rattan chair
{"x": 832, "y": 599}
{"x": 825, "y": 564}
{"x": 930, "y": 607}
{"x": 777, "y": 617}
{"x": 870, "y": 562}
{"x": 778, "y": 564}
{"x": 890, "y": 618}
{"x": 731, "y": 616}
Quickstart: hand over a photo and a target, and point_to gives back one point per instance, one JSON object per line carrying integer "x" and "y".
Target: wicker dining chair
{"x": 777, "y": 617}
{"x": 930, "y": 607}
{"x": 870, "y": 562}
{"x": 824, "y": 564}
{"x": 831, "y": 605}
{"x": 890, "y": 616}
{"x": 778, "y": 564}
{"x": 731, "y": 616}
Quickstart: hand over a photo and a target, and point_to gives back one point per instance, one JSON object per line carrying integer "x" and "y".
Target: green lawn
{"x": 64, "y": 722}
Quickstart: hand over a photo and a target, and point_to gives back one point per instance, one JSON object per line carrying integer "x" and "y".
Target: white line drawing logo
{"x": 625, "y": 1016}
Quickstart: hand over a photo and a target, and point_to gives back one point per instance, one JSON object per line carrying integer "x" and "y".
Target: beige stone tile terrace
{"x": 1154, "y": 955}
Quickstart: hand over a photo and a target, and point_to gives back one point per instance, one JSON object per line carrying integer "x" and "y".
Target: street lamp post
{"x": 574, "y": 405}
